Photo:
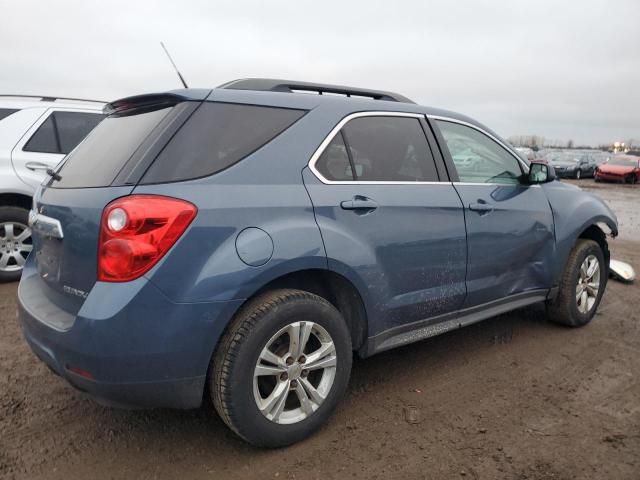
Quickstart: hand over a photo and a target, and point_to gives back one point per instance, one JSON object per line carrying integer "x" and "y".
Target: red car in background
{"x": 619, "y": 168}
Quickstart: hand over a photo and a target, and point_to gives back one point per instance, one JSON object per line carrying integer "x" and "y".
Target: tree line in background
{"x": 537, "y": 142}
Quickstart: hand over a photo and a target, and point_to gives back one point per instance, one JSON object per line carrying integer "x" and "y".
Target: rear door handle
{"x": 359, "y": 204}
{"x": 481, "y": 207}
{"x": 36, "y": 166}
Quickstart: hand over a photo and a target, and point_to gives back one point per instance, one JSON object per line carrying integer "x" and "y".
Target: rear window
{"x": 217, "y": 136}
{"x": 5, "y": 112}
{"x": 97, "y": 160}
{"x": 61, "y": 132}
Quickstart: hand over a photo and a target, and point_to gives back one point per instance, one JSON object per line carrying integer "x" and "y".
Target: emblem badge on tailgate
{"x": 75, "y": 291}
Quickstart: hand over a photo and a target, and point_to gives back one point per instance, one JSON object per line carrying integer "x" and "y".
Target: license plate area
{"x": 48, "y": 259}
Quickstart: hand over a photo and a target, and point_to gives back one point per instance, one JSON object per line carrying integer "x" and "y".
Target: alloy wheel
{"x": 588, "y": 284}
{"x": 294, "y": 373}
{"x": 15, "y": 245}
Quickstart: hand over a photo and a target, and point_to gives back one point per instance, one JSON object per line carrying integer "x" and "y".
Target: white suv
{"x": 35, "y": 134}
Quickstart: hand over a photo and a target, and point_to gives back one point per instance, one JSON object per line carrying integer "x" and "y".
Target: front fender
{"x": 574, "y": 211}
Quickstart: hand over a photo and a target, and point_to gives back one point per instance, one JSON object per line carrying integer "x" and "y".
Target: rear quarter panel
{"x": 264, "y": 190}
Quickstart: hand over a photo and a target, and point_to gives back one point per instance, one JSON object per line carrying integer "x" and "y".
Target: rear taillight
{"x": 136, "y": 231}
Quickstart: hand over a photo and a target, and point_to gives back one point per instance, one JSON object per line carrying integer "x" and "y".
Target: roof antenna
{"x": 174, "y": 65}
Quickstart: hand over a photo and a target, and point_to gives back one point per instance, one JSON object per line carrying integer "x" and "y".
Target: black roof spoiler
{"x": 291, "y": 86}
{"x": 137, "y": 103}
{"x": 154, "y": 101}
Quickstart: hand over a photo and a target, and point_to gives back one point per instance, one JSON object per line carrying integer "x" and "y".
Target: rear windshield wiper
{"x": 53, "y": 174}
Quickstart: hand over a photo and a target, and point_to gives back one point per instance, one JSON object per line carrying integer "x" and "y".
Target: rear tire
{"x": 15, "y": 244}
{"x": 578, "y": 300}
{"x": 257, "y": 343}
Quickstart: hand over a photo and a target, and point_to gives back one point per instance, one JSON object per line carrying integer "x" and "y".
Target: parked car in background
{"x": 573, "y": 165}
{"x": 601, "y": 157}
{"x": 619, "y": 168}
{"x": 242, "y": 243}
{"x": 35, "y": 134}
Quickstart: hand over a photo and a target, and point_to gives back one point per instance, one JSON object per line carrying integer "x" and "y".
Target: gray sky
{"x": 561, "y": 69}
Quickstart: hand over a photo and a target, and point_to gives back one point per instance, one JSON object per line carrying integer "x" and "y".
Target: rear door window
{"x": 217, "y": 136}
{"x": 334, "y": 163}
{"x": 61, "y": 132}
{"x": 389, "y": 149}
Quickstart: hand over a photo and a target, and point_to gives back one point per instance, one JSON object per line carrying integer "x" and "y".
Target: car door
{"x": 583, "y": 165}
{"x": 46, "y": 143}
{"x": 510, "y": 233}
{"x": 389, "y": 222}
{"x": 591, "y": 164}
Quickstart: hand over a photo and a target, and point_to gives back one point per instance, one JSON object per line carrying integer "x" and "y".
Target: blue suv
{"x": 240, "y": 243}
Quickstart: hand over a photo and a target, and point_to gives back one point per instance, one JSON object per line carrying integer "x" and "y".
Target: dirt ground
{"x": 513, "y": 397}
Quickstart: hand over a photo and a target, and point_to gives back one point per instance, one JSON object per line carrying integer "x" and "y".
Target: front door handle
{"x": 36, "y": 166}
{"x": 359, "y": 203}
{"x": 481, "y": 207}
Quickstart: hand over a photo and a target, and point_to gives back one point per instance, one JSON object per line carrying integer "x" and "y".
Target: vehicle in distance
{"x": 573, "y": 165}
{"x": 35, "y": 134}
{"x": 619, "y": 168}
{"x": 241, "y": 242}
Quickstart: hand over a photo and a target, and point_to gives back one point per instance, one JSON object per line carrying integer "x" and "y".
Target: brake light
{"x": 136, "y": 231}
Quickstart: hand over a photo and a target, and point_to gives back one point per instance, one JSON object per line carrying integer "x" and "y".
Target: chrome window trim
{"x": 480, "y": 184}
{"x": 320, "y": 150}
{"x": 492, "y": 137}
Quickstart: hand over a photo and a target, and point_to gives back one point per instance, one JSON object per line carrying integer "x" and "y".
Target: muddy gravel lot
{"x": 513, "y": 397}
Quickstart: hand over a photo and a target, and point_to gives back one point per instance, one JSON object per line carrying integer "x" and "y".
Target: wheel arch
{"x": 16, "y": 200}
{"x": 595, "y": 230}
{"x": 333, "y": 287}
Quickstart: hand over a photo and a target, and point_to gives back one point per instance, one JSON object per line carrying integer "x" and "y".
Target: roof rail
{"x": 45, "y": 98}
{"x": 291, "y": 86}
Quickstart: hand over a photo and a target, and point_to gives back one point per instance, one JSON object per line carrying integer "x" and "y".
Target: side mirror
{"x": 541, "y": 173}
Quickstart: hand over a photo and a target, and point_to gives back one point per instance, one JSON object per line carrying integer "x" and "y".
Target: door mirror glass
{"x": 541, "y": 173}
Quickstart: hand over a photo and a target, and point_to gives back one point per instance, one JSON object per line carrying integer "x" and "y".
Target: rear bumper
{"x": 138, "y": 349}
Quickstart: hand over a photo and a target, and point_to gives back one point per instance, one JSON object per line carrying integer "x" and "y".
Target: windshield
{"x": 563, "y": 158}
{"x": 623, "y": 161}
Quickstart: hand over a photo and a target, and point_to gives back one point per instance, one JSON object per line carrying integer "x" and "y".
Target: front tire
{"x": 15, "y": 242}
{"x": 281, "y": 367}
{"x": 581, "y": 286}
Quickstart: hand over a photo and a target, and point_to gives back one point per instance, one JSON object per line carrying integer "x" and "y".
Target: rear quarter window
{"x": 61, "y": 132}
{"x": 217, "y": 136}
{"x": 5, "y": 112}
